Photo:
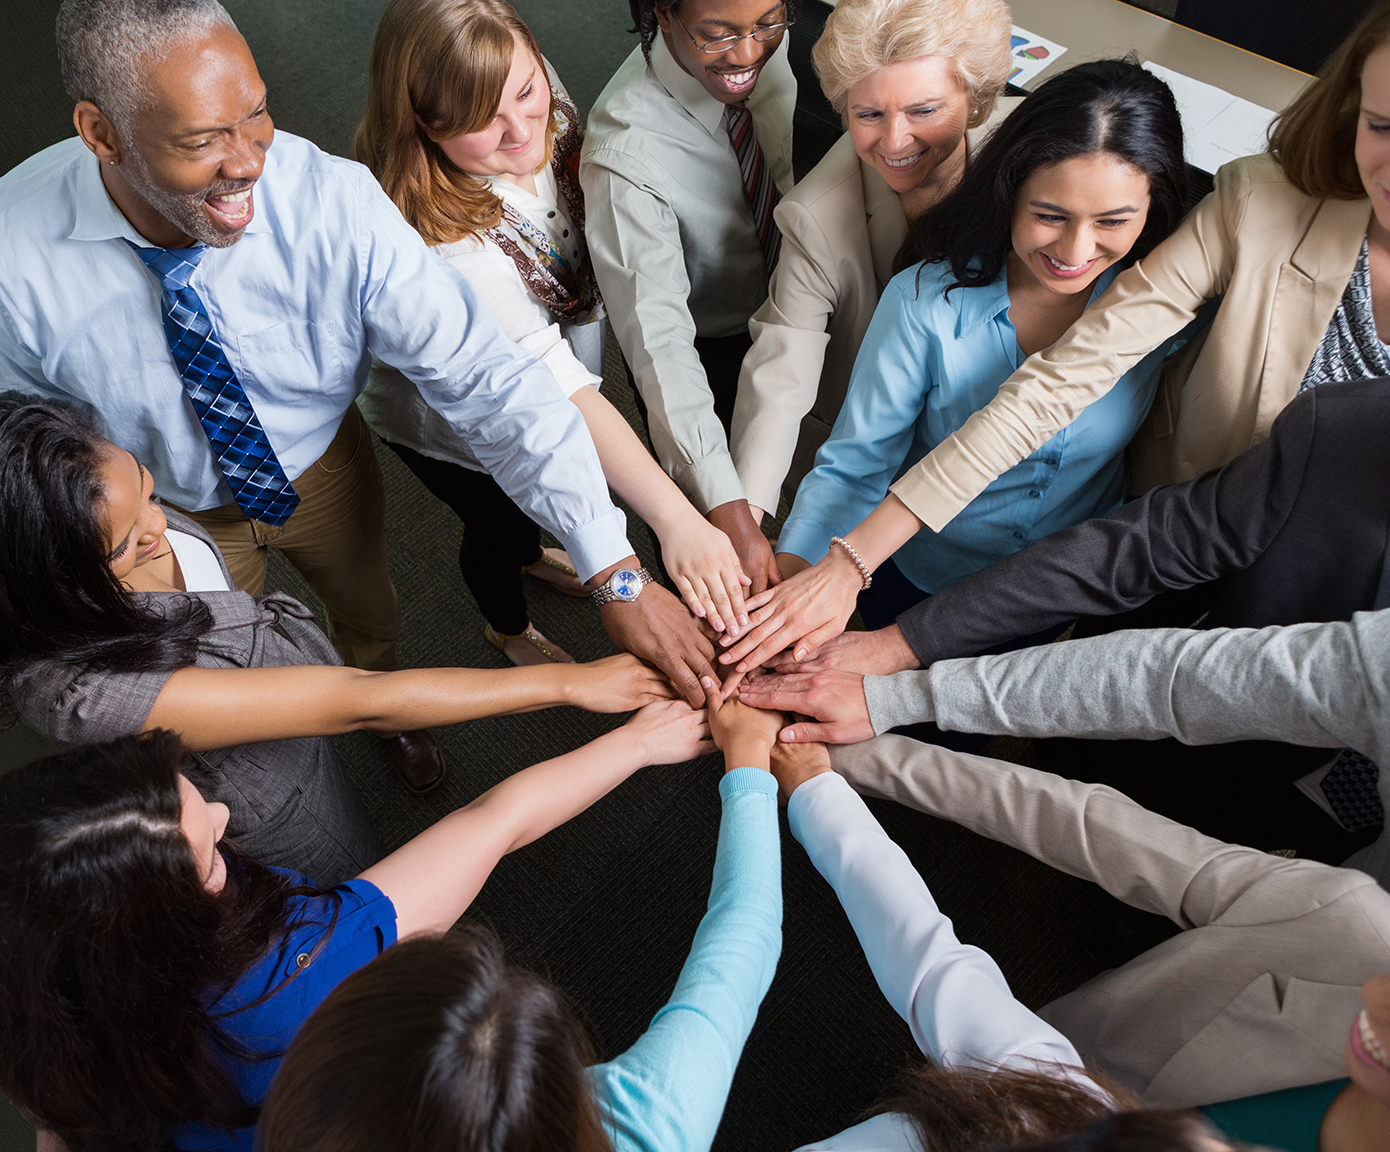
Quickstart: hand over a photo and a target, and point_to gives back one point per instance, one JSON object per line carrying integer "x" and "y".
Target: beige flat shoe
{"x": 554, "y": 568}
{"x": 528, "y": 647}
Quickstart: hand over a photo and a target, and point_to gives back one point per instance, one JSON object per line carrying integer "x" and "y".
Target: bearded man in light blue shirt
{"x": 227, "y": 357}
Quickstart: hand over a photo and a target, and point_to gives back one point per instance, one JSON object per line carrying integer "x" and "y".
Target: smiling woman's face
{"x": 135, "y": 525}
{"x": 513, "y": 142}
{"x": 1367, "y": 1056}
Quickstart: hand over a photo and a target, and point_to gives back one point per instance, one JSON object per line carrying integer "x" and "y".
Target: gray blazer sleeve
{"x": 1177, "y": 536}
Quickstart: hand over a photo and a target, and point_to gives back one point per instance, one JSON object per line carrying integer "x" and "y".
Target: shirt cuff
{"x": 598, "y": 544}
{"x": 710, "y": 481}
{"x": 805, "y": 537}
{"x": 899, "y": 699}
{"x": 747, "y": 780}
{"x": 939, "y": 486}
{"x": 807, "y": 794}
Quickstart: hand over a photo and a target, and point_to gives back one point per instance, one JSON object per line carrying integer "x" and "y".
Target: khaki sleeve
{"x": 1146, "y": 305}
{"x": 780, "y": 377}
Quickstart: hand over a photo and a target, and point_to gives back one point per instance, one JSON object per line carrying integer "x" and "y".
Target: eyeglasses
{"x": 761, "y": 35}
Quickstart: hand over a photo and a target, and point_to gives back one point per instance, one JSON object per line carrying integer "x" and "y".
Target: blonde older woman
{"x": 917, "y": 84}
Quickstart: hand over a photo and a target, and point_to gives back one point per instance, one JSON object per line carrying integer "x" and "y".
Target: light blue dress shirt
{"x": 666, "y": 1093}
{"x": 327, "y": 272}
{"x": 928, "y": 362}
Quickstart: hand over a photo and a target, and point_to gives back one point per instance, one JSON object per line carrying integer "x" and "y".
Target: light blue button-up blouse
{"x": 927, "y": 363}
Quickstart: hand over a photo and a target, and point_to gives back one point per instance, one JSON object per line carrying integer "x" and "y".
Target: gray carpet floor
{"x": 607, "y": 905}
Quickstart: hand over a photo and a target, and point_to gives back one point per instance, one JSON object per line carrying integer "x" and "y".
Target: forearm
{"x": 219, "y": 707}
{"x": 1316, "y": 685}
{"x": 631, "y": 471}
{"x": 952, "y": 995}
{"x": 667, "y": 1092}
{"x": 886, "y": 529}
{"x": 434, "y": 877}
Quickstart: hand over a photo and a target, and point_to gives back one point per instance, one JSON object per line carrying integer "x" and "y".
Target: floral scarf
{"x": 570, "y": 294}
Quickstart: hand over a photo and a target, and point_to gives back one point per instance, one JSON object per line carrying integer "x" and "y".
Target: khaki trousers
{"x": 336, "y": 538}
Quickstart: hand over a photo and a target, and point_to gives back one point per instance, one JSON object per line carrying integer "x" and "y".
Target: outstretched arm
{"x": 433, "y": 878}
{"x": 666, "y": 1093}
{"x": 952, "y": 995}
{"x": 219, "y": 707}
{"x": 1091, "y": 831}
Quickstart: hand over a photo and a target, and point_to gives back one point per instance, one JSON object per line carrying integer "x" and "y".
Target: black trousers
{"x": 721, "y": 357}
{"x": 499, "y": 539}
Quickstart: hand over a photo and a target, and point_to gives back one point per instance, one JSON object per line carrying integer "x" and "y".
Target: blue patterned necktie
{"x": 258, "y": 483}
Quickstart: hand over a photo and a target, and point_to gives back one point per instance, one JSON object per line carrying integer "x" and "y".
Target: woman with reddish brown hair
{"x": 476, "y": 141}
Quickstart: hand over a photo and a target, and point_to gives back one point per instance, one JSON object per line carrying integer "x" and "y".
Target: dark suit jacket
{"x": 1296, "y": 527}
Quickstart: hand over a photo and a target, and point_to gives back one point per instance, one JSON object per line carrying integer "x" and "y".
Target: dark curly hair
{"x": 1113, "y": 106}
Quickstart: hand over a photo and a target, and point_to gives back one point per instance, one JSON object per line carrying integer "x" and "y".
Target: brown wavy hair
{"x": 1314, "y": 138}
{"x": 437, "y": 70}
{"x": 998, "y": 1108}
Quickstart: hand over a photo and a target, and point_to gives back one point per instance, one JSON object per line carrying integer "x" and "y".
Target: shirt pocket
{"x": 291, "y": 362}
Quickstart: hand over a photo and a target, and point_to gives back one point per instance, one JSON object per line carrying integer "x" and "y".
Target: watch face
{"x": 625, "y": 584}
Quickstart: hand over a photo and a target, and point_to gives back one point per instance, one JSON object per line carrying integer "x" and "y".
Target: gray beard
{"x": 186, "y": 212}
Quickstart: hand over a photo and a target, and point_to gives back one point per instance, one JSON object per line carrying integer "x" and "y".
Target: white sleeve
{"x": 952, "y": 995}
{"x": 523, "y": 318}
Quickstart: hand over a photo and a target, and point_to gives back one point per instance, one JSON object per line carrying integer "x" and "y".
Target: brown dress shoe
{"x": 417, "y": 760}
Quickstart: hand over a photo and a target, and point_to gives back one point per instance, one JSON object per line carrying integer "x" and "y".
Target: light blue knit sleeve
{"x": 666, "y": 1093}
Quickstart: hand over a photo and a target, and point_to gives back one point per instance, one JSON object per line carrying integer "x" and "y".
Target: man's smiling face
{"x": 197, "y": 145}
{"x": 727, "y": 76}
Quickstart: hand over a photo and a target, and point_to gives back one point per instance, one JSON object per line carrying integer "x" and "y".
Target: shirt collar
{"x": 981, "y": 305}
{"x": 98, "y": 218}
{"x": 688, "y": 92}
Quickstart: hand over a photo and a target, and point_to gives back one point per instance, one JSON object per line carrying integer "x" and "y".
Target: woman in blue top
{"x": 151, "y": 976}
{"x": 1083, "y": 177}
{"x": 440, "y": 1046}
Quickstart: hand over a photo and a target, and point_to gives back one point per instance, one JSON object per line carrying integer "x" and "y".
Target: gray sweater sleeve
{"x": 1318, "y": 685}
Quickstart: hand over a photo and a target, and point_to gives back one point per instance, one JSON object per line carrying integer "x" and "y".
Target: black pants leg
{"x": 499, "y": 539}
{"x": 722, "y": 358}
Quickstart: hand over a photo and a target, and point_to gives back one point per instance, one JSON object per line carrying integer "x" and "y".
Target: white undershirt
{"x": 197, "y": 562}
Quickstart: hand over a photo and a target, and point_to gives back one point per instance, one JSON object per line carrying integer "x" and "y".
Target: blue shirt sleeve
{"x": 666, "y": 1093}
{"x": 874, "y": 430}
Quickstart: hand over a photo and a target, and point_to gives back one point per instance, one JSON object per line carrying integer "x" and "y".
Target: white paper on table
{"x": 1217, "y": 127}
{"x": 1031, "y": 54}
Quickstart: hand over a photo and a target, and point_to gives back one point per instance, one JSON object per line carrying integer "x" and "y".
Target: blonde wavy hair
{"x": 862, "y": 36}
{"x": 1314, "y": 138}
{"x": 437, "y": 70}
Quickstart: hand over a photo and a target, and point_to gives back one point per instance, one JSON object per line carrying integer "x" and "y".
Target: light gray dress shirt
{"x": 673, "y": 244}
{"x": 326, "y": 273}
{"x": 1316, "y": 685}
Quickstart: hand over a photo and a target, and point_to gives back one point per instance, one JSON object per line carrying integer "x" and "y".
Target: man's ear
{"x": 663, "y": 16}
{"x": 97, "y": 132}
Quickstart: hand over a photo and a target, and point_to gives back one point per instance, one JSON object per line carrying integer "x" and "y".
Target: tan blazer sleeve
{"x": 1146, "y": 305}
{"x": 781, "y": 373}
{"x": 1096, "y": 833}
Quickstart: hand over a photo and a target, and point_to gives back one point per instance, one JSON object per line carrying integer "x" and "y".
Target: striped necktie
{"x": 758, "y": 184}
{"x": 258, "y": 483}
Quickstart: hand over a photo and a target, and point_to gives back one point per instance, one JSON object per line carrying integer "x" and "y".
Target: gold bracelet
{"x": 853, "y": 555}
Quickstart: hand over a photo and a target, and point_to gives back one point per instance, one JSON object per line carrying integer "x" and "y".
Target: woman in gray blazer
{"x": 117, "y": 617}
{"x": 917, "y": 84}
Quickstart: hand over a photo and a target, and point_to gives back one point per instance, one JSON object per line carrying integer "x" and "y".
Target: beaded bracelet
{"x": 853, "y": 555}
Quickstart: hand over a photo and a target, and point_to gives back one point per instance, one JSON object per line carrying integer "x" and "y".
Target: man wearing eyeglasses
{"x": 687, "y": 151}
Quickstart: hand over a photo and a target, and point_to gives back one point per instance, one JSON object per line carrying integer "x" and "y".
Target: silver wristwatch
{"x": 623, "y": 585}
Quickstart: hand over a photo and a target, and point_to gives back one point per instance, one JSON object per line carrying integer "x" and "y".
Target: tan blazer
{"x": 1257, "y": 994}
{"x": 1280, "y": 259}
{"x": 841, "y": 227}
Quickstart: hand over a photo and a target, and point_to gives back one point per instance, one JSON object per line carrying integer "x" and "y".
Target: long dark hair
{"x": 1007, "y": 1109}
{"x": 110, "y": 946}
{"x": 437, "y": 1045}
{"x": 58, "y": 597}
{"x": 1112, "y": 106}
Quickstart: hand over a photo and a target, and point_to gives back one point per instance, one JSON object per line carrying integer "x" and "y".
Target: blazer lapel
{"x": 886, "y": 222}
{"x": 1310, "y": 285}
